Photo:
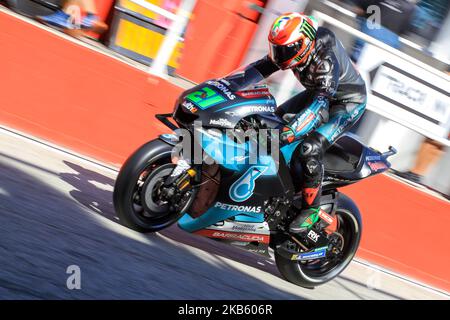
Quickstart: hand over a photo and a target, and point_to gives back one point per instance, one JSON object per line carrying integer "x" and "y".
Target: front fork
{"x": 184, "y": 179}
{"x": 183, "y": 174}
{"x": 180, "y": 184}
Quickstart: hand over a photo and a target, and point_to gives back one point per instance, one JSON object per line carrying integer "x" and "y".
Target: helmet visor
{"x": 282, "y": 54}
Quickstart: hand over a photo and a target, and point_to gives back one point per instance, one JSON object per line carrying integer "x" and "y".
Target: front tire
{"x": 302, "y": 274}
{"x": 134, "y": 201}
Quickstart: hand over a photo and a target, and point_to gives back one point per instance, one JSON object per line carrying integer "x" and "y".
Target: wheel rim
{"x": 146, "y": 210}
{"x": 153, "y": 205}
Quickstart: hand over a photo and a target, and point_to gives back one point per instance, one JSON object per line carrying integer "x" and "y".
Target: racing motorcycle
{"x": 249, "y": 204}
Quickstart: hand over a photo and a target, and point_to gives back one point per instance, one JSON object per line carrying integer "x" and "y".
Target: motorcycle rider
{"x": 334, "y": 99}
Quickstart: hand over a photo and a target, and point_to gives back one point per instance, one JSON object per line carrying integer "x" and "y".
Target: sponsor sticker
{"x": 244, "y": 228}
{"x": 312, "y": 255}
{"x": 190, "y": 106}
{"x": 235, "y": 236}
{"x": 222, "y": 87}
{"x": 170, "y": 137}
{"x": 205, "y": 98}
{"x": 232, "y": 207}
{"x": 249, "y": 94}
{"x": 377, "y": 166}
{"x": 305, "y": 119}
{"x": 238, "y": 236}
{"x": 250, "y": 109}
{"x": 260, "y": 109}
{"x": 221, "y": 122}
{"x": 373, "y": 158}
{"x": 313, "y": 235}
{"x": 326, "y": 217}
{"x": 243, "y": 188}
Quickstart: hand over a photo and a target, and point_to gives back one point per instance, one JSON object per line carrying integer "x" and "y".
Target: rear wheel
{"x": 312, "y": 273}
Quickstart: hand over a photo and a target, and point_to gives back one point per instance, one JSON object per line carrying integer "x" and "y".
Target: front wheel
{"x": 138, "y": 198}
{"x": 312, "y": 273}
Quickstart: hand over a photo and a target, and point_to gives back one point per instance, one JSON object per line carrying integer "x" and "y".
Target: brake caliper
{"x": 175, "y": 186}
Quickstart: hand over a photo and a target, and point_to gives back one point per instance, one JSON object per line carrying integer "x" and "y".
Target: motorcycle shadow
{"x": 94, "y": 191}
{"x": 45, "y": 232}
{"x": 91, "y": 189}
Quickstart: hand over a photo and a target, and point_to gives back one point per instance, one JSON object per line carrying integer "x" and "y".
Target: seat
{"x": 344, "y": 156}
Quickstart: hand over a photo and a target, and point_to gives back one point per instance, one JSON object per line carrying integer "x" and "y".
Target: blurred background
{"x": 402, "y": 48}
{"x": 88, "y": 77}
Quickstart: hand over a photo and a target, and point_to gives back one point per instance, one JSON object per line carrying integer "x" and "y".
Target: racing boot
{"x": 311, "y": 208}
{"x": 303, "y": 222}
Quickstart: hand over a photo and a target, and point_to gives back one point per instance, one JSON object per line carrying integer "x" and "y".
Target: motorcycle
{"x": 248, "y": 204}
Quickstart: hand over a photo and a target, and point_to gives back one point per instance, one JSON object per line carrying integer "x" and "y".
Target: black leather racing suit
{"x": 335, "y": 98}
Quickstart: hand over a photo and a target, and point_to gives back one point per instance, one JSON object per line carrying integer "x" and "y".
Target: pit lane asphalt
{"x": 56, "y": 211}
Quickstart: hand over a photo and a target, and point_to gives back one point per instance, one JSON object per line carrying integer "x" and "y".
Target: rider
{"x": 334, "y": 99}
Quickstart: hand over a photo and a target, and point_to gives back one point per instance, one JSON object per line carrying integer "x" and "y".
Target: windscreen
{"x": 244, "y": 78}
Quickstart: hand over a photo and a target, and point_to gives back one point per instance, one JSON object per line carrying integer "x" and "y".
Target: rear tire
{"x": 297, "y": 273}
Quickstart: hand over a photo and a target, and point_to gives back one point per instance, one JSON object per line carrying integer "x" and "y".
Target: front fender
{"x": 169, "y": 138}
{"x": 151, "y": 151}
